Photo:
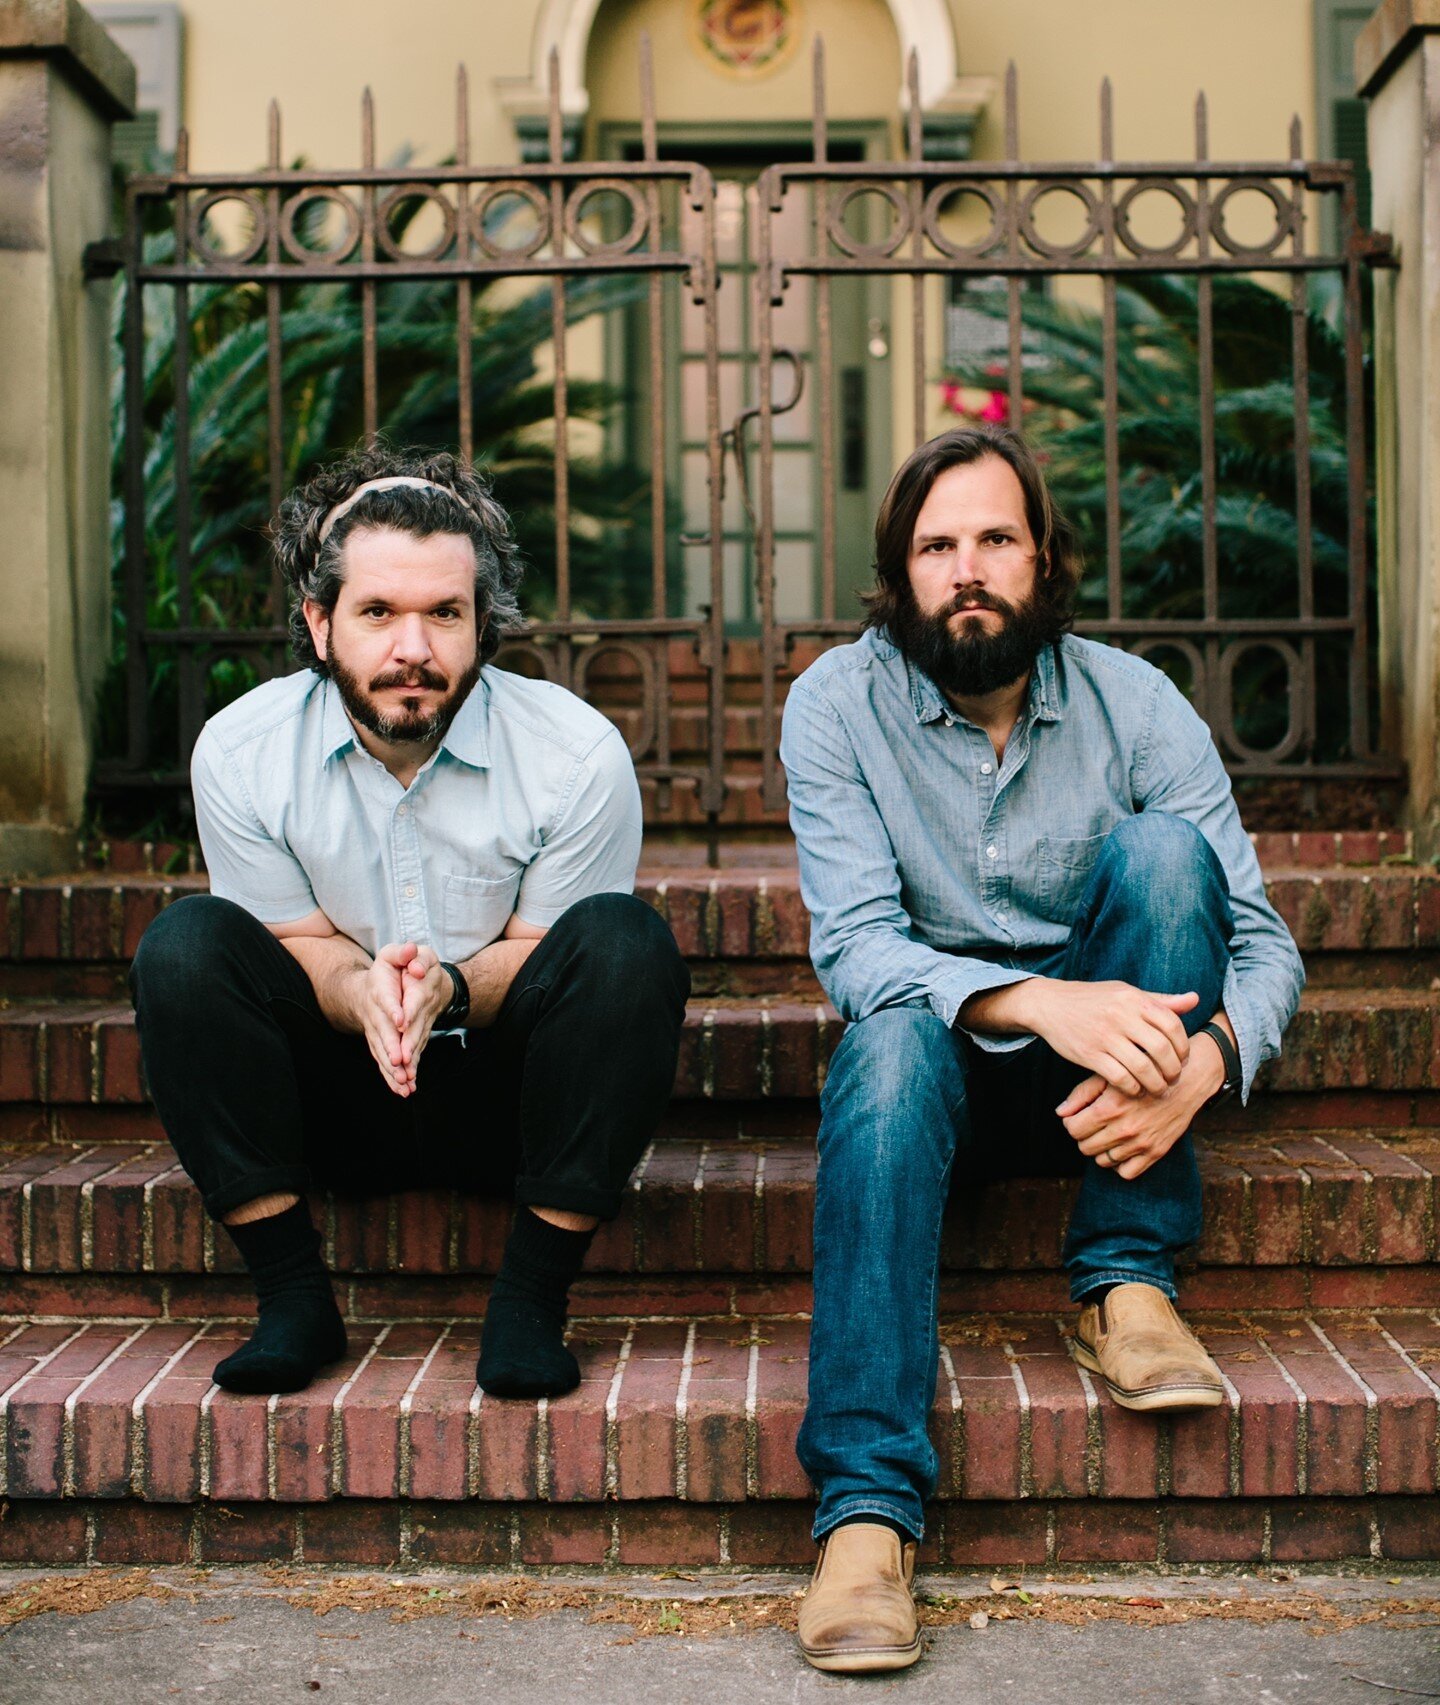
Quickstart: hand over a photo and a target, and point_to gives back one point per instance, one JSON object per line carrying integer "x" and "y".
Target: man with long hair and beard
{"x": 421, "y": 961}
{"x": 1032, "y": 897}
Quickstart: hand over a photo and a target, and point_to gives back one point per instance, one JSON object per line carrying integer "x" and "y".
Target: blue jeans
{"x": 905, "y": 1095}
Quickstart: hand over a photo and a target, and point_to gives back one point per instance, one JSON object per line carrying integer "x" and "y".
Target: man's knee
{"x": 185, "y": 948}
{"x": 897, "y": 1079}
{"x": 626, "y": 942}
{"x": 1161, "y": 856}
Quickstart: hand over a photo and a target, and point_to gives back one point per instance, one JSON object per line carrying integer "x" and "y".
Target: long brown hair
{"x": 1058, "y": 557}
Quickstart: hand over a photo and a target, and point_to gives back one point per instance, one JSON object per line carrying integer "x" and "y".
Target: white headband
{"x": 342, "y": 509}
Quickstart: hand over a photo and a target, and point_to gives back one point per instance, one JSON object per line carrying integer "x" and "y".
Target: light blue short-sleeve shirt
{"x": 528, "y": 804}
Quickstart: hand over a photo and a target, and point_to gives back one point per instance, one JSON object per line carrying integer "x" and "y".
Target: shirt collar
{"x": 467, "y": 738}
{"x": 930, "y": 704}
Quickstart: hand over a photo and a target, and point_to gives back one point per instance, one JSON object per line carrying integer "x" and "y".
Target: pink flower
{"x": 996, "y": 409}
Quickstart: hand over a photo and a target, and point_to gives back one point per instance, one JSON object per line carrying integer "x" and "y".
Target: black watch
{"x": 455, "y": 1014}
{"x": 1228, "y": 1055}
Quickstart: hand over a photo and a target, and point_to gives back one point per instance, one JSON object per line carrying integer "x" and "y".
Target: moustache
{"x": 414, "y": 678}
{"x": 978, "y": 599}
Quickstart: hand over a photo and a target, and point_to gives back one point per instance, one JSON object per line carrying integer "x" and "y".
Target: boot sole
{"x": 1162, "y": 1397}
{"x": 864, "y": 1661}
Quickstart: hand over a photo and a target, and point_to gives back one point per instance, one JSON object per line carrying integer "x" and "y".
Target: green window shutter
{"x": 1350, "y": 144}
{"x": 135, "y": 143}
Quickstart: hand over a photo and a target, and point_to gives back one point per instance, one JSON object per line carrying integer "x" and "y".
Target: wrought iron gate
{"x": 924, "y": 229}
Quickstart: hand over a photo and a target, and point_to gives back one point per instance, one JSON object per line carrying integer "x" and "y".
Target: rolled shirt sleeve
{"x": 1179, "y": 771}
{"x": 245, "y": 862}
{"x": 593, "y": 845}
{"x": 862, "y": 940}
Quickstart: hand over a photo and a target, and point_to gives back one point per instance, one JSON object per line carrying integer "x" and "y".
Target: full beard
{"x": 979, "y": 659}
{"x": 409, "y": 724}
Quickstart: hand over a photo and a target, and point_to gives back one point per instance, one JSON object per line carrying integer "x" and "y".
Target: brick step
{"x": 739, "y": 912}
{"x": 1282, "y": 1200}
{"x": 1324, "y": 1405}
{"x": 78, "y": 1052}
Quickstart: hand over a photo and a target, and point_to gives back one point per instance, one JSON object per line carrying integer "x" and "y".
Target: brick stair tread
{"x": 739, "y": 1047}
{"x": 1320, "y": 1405}
{"x": 749, "y": 908}
{"x": 1278, "y": 1200}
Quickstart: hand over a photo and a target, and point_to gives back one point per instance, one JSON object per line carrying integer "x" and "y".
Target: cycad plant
{"x": 321, "y": 338}
{"x": 1160, "y": 488}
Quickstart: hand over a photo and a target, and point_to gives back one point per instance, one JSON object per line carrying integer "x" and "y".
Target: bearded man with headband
{"x": 1032, "y": 897}
{"x": 421, "y": 962}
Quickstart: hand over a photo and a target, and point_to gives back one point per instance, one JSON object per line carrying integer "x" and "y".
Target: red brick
{"x": 301, "y": 1429}
{"x": 19, "y": 1057}
{"x": 247, "y": 1533}
{"x": 484, "y": 1226}
{"x": 118, "y": 1211}
{"x": 121, "y": 1073}
{"x": 81, "y": 1296}
{"x": 577, "y": 1424}
{"x": 361, "y": 1234}
{"x": 70, "y": 1040}
{"x": 34, "y": 1411}
{"x": 237, "y": 1429}
{"x": 644, "y": 1418}
{"x": 667, "y": 1208}
{"x": 771, "y": 1536}
{"x": 475, "y": 1535}
{"x": 781, "y": 1374}
{"x": 507, "y": 1451}
{"x": 438, "y": 1420}
{"x": 41, "y": 934}
{"x": 1215, "y": 1532}
{"x": 732, "y": 1040}
{"x": 1335, "y": 1409}
{"x": 143, "y": 1533}
{"x": 728, "y": 1209}
{"x": 171, "y": 1422}
{"x": 39, "y": 1533}
{"x": 1226, "y": 1290}
{"x": 177, "y": 1223}
{"x": 17, "y": 1168}
{"x": 787, "y": 1208}
{"x": 1059, "y": 1413}
{"x": 574, "y": 1534}
{"x": 92, "y": 915}
{"x": 976, "y": 1534}
{"x": 351, "y": 1531}
{"x": 1405, "y": 1414}
{"x": 1306, "y": 1530}
{"x": 1336, "y": 1205}
{"x": 1223, "y": 1241}
{"x": 1108, "y": 1532}
{"x": 104, "y": 1462}
{"x": 422, "y": 1231}
{"x": 1275, "y": 1202}
{"x": 1373, "y": 1287}
{"x": 993, "y": 1420}
{"x": 715, "y": 1428}
{"x": 57, "y": 1207}
{"x": 370, "y": 1411}
{"x": 670, "y": 1536}
{"x": 1403, "y": 1194}
{"x": 1408, "y": 1529}
{"x": 1269, "y": 1413}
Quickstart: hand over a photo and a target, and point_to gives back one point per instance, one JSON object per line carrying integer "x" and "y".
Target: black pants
{"x": 555, "y": 1102}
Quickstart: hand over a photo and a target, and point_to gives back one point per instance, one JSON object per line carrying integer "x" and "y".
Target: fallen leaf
{"x": 998, "y": 1584}
{"x": 1147, "y": 1603}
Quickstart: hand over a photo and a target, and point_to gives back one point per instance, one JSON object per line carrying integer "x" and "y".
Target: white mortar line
{"x": 612, "y": 1426}
{"x": 67, "y": 1435}
{"x": 336, "y": 1435}
{"x": 407, "y": 1403}
{"x": 138, "y": 1441}
{"x": 682, "y": 1406}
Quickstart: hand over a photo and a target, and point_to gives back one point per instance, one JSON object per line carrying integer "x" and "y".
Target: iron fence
{"x": 846, "y": 257}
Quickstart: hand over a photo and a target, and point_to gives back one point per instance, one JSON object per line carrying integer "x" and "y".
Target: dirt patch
{"x": 78, "y": 1595}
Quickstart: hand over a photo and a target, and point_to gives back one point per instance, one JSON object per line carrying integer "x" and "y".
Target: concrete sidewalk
{"x": 457, "y": 1637}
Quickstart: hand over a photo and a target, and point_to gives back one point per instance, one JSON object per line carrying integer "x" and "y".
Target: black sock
{"x": 522, "y": 1349}
{"x": 300, "y": 1328}
{"x": 906, "y": 1537}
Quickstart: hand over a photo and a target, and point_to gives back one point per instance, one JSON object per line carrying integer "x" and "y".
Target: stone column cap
{"x": 1387, "y": 40}
{"x": 64, "y": 31}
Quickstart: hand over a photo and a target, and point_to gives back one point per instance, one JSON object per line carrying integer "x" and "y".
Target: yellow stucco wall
{"x": 1256, "y": 61}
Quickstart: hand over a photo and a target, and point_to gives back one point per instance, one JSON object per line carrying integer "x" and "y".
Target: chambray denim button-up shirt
{"x": 932, "y": 873}
{"x": 528, "y": 804}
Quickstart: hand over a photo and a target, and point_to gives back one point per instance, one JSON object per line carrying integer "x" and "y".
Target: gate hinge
{"x": 103, "y": 259}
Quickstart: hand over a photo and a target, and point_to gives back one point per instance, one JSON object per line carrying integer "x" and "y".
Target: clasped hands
{"x": 1146, "y": 1084}
{"x": 403, "y": 991}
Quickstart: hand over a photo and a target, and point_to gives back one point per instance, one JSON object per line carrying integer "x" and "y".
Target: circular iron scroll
{"x": 930, "y": 220}
{"x": 521, "y": 191}
{"x": 208, "y": 253}
{"x": 1159, "y": 186}
{"x": 1295, "y": 693}
{"x": 644, "y": 661}
{"x": 1284, "y": 217}
{"x": 843, "y": 239}
{"x": 628, "y": 239}
{"x": 1060, "y": 186}
{"x": 414, "y": 192}
{"x": 349, "y": 237}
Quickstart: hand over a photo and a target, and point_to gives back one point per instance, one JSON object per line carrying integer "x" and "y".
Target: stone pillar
{"x": 1397, "y": 68}
{"x": 63, "y": 82}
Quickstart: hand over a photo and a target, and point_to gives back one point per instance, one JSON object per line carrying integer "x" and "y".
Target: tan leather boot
{"x": 1146, "y": 1354}
{"x": 859, "y": 1613}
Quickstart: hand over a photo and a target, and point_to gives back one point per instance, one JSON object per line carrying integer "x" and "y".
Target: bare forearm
{"x": 336, "y": 966}
{"x": 1015, "y": 1010}
{"x": 489, "y": 976}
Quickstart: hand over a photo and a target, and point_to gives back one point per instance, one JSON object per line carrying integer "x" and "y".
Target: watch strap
{"x": 1228, "y": 1054}
{"x": 458, "y": 1009}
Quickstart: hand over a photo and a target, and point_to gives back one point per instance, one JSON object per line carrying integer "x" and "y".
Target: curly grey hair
{"x": 314, "y": 570}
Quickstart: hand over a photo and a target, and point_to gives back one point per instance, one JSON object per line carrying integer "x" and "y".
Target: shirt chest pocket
{"x": 477, "y": 908}
{"x": 1063, "y": 869}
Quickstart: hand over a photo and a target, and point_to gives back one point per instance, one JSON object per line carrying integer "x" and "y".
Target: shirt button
{"x": 991, "y": 853}
{"x": 410, "y": 891}
{"x": 949, "y": 721}
{"x": 404, "y": 810}
{"x": 985, "y": 769}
